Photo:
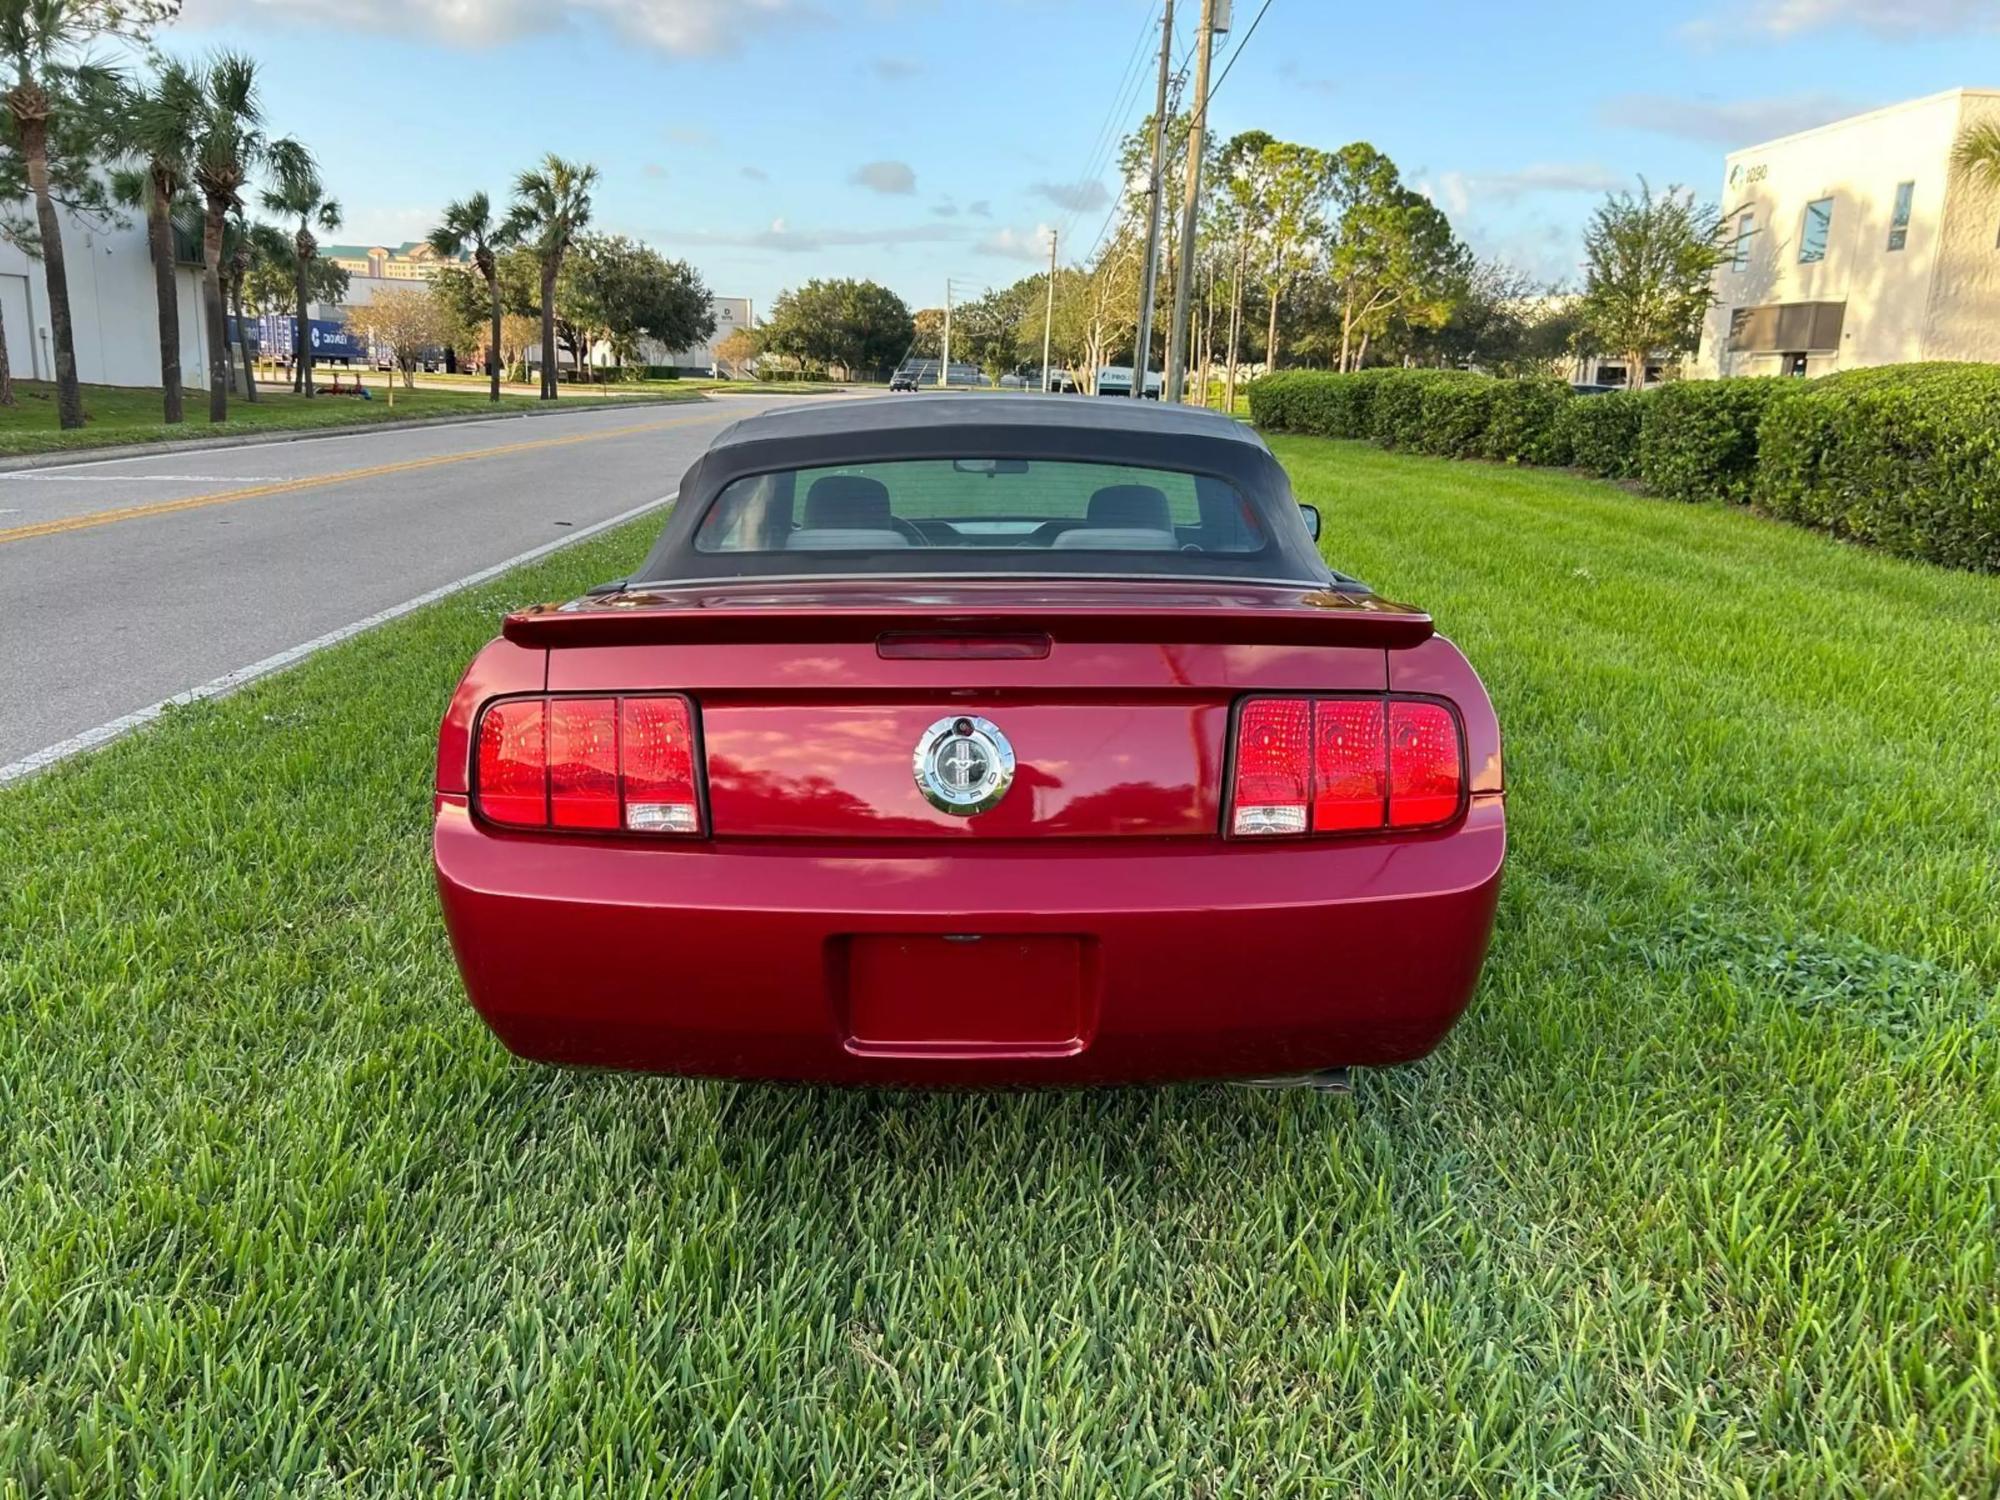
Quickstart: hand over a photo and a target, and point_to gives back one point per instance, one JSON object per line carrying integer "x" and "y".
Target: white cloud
{"x": 1897, "y": 18}
{"x": 1456, "y": 192}
{"x": 780, "y": 235}
{"x": 1732, "y": 123}
{"x": 1014, "y": 244}
{"x": 688, "y": 28}
{"x": 885, "y": 177}
{"x": 1072, "y": 197}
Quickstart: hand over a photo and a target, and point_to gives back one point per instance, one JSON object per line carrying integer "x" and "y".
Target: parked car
{"x": 973, "y": 742}
{"x": 903, "y": 380}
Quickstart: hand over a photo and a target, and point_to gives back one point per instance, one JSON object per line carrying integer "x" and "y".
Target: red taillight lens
{"x": 1345, "y": 765}
{"x": 1273, "y": 766}
{"x": 1350, "y": 773}
{"x": 588, "y": 763}
{"x": 514, "y": 763}
{"x": 583, "y": 762}
{"x": 658, "y": 743}
{"x": 1426, "y": 770}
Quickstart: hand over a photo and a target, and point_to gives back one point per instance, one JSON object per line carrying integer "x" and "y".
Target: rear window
{"x": 1005, "y": 509}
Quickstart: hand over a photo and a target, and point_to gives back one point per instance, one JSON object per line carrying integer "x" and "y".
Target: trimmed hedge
{"x": 1906, "y": 458}
{"x": 1524, "y": 422}
{"x": 1698, "y": 439}
{"x": 1455, "y": 410}
{"x": 1602, "y": 432}
{"x": 1903, "y": 457}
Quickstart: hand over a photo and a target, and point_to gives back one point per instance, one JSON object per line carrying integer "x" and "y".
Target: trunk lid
{"x": 1115, "y": 698}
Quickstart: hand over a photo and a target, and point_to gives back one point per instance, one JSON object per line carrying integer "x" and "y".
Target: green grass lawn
{"x": 1701, "y": 1198}
{"x": 129, "y": 414}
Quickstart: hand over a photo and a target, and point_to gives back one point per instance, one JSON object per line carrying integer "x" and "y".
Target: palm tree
{"x": 299, "y": 194}
{"x": 470, "y": 222}
{"x": 158, "y": 132}
{"x": 1978, "y": 152}
{"x": 551, "y": 205}
{"x": 230, "y": 144}
{"x": 240, "y": 253}
{"x": 38, "y": 41}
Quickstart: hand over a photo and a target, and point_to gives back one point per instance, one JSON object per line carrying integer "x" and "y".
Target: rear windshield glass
{"x": 1005, "y": 507}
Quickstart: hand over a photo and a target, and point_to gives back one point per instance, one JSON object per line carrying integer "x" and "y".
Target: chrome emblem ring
{"x": 963, "y": 765}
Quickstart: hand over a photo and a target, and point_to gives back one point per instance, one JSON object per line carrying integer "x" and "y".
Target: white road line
{"x": 103, "y": 734}
{"x": 44, "y": 476}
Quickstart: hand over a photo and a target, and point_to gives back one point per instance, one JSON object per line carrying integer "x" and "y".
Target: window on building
{"x": 1746, "y": 228}
{"x": 1899, "y": 221}
{"x": 1814, "y": 232}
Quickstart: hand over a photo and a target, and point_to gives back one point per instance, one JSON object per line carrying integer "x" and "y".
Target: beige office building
{"x": 1858, "y": 243}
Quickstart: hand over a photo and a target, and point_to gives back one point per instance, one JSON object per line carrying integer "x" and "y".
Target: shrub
{"x": 1272, "y": 404}
{"x": 1523, "y": 422}
{"x": 1602, "y": 433}
{"x": 1316, "y": 401}
{"x": 1906, "y": 458}
{"x": 1698, "y": 438}
{"x": 1456, "y": 408}
{"x": 1396, "y": 409}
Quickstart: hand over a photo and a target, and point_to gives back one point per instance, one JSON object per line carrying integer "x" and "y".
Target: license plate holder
{"x": 966, "y": 995}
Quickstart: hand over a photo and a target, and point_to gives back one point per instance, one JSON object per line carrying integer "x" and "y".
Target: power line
{"x": 1121, "y": 98}
{"x": 1238, "y": 51}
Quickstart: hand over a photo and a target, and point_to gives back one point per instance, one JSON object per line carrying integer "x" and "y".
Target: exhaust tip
{"x": 1324, "y": 1081}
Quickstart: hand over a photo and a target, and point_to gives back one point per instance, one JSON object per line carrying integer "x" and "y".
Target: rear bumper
{"x": 1196, "y": 960}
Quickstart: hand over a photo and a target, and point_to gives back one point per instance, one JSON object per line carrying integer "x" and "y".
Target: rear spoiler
{"x": 1315, "y": 619}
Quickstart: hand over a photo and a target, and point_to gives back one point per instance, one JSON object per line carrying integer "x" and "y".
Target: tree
{"x": 239, "y": 255}
{"x": 853, "y": 324}
{"x": 408, "y": 320}
{"x": 160, "y": 120}
{"x": 298, "y": 193}
{"x": 230, "y": 145}
{"x": 74, "y": 139}
{"x": 735, "y": 352}
{"x": 621, "y": 291}
{"x": 1649, "y": 279}
{"x": 551, "y": 207}
{"x": 1393, "y": 254}
{"x": 1977, "y": 152}
{"x": 41, "y": 41}
{"x": 1283, "y": 190}
{"x": 470, "y": 222}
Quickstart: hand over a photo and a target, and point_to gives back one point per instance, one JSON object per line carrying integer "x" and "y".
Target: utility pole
{"x": 1049, "y": 313}
{"x": 944, "y": 365}
{"x": 1142, "y": 344}
{"x": 1204, "y": 43}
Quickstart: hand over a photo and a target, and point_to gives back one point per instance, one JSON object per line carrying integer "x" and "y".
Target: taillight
{"x": 1345, "y": 765}
{"x": 588, "y": 763}
{"x": 1273, "y": 766}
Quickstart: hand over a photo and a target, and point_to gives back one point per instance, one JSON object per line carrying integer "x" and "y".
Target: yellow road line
{"x": 315, "y": 481}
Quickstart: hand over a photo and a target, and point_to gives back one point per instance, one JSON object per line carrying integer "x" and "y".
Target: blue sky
{"x": 769, "y": 141}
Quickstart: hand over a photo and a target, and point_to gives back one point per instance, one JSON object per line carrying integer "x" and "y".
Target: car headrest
{"x": 1115, "y": 539}
{"x": 847, "y": 500}
{"x": 1131, "y": 506}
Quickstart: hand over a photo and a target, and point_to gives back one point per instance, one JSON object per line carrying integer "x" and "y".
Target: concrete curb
{"x": 65, "y": 457}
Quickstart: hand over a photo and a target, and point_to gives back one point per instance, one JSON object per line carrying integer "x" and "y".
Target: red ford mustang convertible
{"x": 973, "y": 740}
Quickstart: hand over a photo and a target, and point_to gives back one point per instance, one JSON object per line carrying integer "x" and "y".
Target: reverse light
{"x": 603, "y": 764}
{"x": 1345, "y": 765}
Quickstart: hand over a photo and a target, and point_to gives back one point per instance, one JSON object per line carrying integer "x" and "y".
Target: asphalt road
{"x": 127, "y": 581}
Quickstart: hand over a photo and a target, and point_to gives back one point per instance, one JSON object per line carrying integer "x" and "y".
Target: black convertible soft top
{"x": 830, "y": 432}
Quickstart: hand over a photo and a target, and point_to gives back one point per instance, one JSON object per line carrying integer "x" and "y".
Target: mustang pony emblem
{"x": 963, "y": 765}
